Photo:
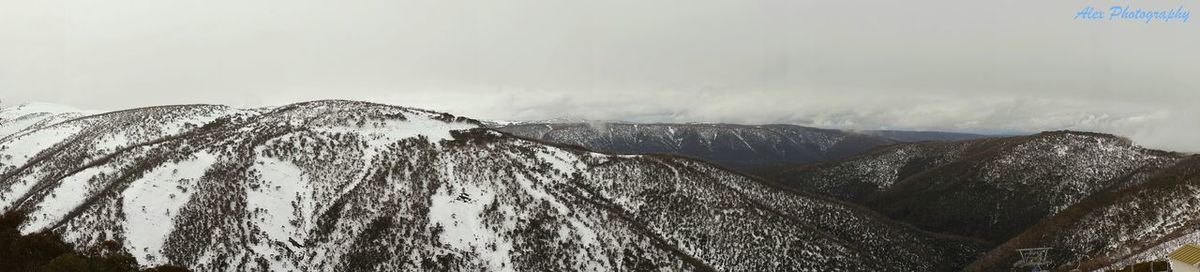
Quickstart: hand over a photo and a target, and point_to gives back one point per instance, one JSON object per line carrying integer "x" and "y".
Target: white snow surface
{"x": 459, "y": 213}
{"x": 390, "y": 131}
{"x": 18, "y": 150}
{"x": 35, "y": 108}
{"x": 15, "y": 120}
{"x": 281, "y": 205}
{"x": 70, "y": 192}
{"x": 281, "y": 184}
{"x": 152, "y": 202}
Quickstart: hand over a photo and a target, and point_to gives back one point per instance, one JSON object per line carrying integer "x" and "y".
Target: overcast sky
{"x": 983, "y": 66}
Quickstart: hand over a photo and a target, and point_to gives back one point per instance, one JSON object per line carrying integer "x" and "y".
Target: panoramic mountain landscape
{"x": 355, "y": 186}
{"x": 528, "y": 135}
{"x": 730, "y": 145}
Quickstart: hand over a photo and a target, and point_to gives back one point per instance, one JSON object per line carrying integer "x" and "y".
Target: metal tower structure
{"x": 1034, "y": 258}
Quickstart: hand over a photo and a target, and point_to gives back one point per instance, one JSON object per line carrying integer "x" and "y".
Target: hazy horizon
{"x": 1022, "y": 66}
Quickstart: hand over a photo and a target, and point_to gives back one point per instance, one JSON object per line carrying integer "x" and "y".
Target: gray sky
{"x": 936, "y": 65}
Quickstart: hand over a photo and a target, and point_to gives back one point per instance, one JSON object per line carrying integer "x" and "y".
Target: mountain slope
{"x": 736, "y": 146}
{"x": 33, "y": 116}
{"x": 352, "y": 186}
{"x": 988, "y": 188}
{"x": 1112, "y": 229}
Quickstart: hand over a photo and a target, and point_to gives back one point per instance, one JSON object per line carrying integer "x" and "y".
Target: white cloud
{"x": 949, "y": 65}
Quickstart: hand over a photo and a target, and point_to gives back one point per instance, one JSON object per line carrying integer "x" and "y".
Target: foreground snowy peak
{"x": 353, "y": 186}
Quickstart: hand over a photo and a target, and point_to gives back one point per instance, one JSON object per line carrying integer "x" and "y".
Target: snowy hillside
{"x": 353, "y": 186}
{"x": 989, "y": 188}
{"x": 1116, "y": 228}
{"x": 33, "y": 116}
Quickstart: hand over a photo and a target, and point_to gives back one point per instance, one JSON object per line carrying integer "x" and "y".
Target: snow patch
{"x": 35, "y": 108}
{"x": 20, "y": 149}
{"x": 558, "y": 159}
{"x": 70, "y": 192}
{"x": 151, "y": 203}
{"x": 278, "y": 202}
{"x": 113, "y": 142}
{"x": 391, "y": 131}
{"x": 459, "y": 213}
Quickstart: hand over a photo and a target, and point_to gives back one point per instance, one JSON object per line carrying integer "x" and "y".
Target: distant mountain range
{"x": 354, "y": 186}
{"x": 736, "y": 146}
{"x": 925, "y": 136}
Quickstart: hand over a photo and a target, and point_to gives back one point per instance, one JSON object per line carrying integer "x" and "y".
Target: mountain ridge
{"x": 769, "y": 184}
{"x": 380, "y": 187}
{"x": 1053, "y": 169}
{"x": 731, "y": 145}
{"x": 1115, "y": 228}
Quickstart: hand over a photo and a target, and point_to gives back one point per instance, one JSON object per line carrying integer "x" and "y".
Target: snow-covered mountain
{"x": 34, "y": 116}
{"x": 1116, "y": 228}
{"x": 989, "y": 188}
{"x": 924, "y": 136}
{"x": 736, "y": 146}
{"x": 730, "y": 145}
{"x": 354, "y": 186}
